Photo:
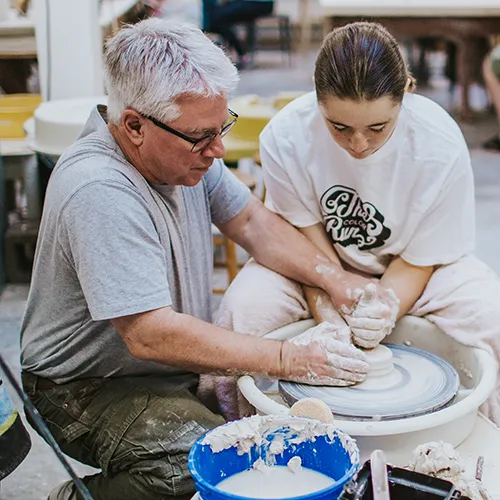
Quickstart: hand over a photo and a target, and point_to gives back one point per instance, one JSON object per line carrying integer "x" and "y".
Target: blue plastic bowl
{"x": 323, "y": 454}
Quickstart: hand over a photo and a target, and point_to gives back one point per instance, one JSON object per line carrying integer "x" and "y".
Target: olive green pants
{"x": 137, "y": 430}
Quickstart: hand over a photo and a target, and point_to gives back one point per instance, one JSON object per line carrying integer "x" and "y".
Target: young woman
{"x": 380, "y": 179}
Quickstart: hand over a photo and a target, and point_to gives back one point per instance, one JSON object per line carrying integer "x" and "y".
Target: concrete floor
{"x": 41, "y": 471}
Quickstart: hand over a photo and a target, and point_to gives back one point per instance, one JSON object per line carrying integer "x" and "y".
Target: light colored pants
{"x": 462, "y": 299}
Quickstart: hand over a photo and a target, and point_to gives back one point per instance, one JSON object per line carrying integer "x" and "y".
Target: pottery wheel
{"x": 418, "y": 382}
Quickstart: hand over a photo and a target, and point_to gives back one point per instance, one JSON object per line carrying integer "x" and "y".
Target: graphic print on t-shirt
{"x": 351, "y": 221}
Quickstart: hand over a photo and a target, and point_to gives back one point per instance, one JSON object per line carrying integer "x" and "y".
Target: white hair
{"x": 149, "y": 65}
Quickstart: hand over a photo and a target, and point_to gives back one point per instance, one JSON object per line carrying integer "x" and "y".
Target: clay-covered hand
{"x": 345, "y": 292}
{"x": 372, "y": 319}
{"x": 323, "y": 355}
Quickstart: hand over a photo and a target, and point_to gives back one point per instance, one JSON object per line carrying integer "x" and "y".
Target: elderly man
{"x": 118, "y": 320}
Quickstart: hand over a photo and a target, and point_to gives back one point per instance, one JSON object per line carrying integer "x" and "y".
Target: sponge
{"x": 312, "y": 408}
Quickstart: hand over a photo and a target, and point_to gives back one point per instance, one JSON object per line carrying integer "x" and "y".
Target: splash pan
{"x": 420, "y": 382}
{"x": 398, "y": 436}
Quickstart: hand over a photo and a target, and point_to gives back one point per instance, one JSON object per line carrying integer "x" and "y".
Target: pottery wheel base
{"x": 418, "y": 383}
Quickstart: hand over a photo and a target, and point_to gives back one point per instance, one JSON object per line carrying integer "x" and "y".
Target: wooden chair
{"x": 243, "y": 139}
{"x": 270, "y": 23}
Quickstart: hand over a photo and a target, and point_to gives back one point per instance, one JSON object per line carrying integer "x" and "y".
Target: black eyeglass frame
{"x": 225, "y": 129}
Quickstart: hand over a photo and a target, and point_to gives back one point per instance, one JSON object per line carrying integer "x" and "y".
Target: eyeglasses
{"x": 203, "y": 142}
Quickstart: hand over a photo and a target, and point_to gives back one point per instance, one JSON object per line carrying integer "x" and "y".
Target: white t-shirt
{"x": 414, "y": 197}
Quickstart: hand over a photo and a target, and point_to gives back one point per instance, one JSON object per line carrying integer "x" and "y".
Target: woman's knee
{"x": 258, "y": 299}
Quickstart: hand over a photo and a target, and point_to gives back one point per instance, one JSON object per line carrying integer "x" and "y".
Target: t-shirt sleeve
{"x": 108, "y": 236}
{"x": 297, "y": 206}
{"x": 228, "y": 196}
{"x": 447, "y": 231}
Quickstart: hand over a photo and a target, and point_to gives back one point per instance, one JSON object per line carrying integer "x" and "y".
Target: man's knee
{"x": 166, "y": 477}
{"x": 154, "y": 449}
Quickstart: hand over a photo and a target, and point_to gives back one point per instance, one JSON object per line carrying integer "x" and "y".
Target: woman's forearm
{"x": 407, "y": 281}
{"x": 321, "y": 306}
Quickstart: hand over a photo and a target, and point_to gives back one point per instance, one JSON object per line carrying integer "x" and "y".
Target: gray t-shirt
{"x": 100, "y": 255}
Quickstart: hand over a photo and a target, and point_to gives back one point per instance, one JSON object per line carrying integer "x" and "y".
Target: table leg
{"x": 470, "y": 54}
{"x": 34, "y": 209}
{"x": 24, "y": 167}
{"x": 305, "y": 26}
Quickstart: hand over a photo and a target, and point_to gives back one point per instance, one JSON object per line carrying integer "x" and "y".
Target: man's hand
{"x": 346, "y": 292}
{"x": 323, "y": 355}
{"x": 372, "y": 319}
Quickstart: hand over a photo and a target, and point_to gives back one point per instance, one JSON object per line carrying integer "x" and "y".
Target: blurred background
{"x": 51, "y": 76}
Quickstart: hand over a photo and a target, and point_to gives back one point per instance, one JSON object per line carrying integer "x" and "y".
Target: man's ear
{"x": 133, "y": 125}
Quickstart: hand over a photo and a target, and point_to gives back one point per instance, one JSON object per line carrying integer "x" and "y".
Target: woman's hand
{"x": 372, "y": 319}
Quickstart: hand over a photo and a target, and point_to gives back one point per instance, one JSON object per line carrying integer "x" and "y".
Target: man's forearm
{"x": 175, "y": 339}
{"x": 407, "y": 281}
{"x": 279, "y": 246}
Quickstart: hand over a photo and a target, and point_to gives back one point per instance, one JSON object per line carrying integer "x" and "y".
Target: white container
{"x": 58, "y": 123}
{"x": 4, "y": 10}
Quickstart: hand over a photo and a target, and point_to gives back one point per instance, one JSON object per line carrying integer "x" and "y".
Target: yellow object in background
{"x": 15, "y": 109}
{"x": 254, "y": 114}
{"x": 23, "y": 6}
{"x": 243, "y": 140}
{"x": 284, "y": 98}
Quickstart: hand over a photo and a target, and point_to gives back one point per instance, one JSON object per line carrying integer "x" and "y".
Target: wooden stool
{"x": 248, "y": 179}
{"x": 229, "y": 246}
{"x": 230, "y": 254}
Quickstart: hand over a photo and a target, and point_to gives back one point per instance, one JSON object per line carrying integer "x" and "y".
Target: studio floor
{"x": 41, "y": 471}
